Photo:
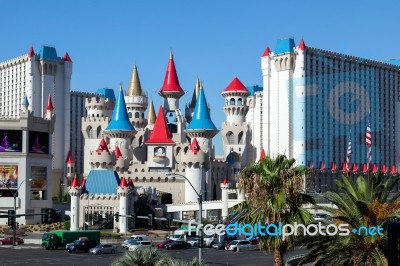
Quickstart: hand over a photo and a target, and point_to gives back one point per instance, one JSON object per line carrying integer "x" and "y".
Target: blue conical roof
{"x": 201, "y": 116}
{"x": 25, "y": 101}
{"x": 120, "y": 119}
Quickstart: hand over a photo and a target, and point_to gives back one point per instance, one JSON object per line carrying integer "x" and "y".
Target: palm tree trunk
{"x": 278, "y": 257}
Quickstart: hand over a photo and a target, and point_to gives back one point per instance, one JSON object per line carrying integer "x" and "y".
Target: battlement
{"x": 94, "y": 101}
{"x": 140, "y": 100}
{"x": 14, "y": 61}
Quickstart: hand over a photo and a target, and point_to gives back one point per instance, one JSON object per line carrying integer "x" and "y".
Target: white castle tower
{"x": 99, "y": 112}
{"x": 70, "y": 166}
{"x": 74, "y": 192}
{"x": 236, "y": 132}
{"x": 122, "y": 193}
{"x": 136, "y": 101}
{"x": 101, "y": 159}
{"x": 224, "y": 197}
{"x": 171, "y": 91}
{"x": 120, "y": 130}
{"x": 196, "y": 163}
{"x": 49, "y": 109}
{"x": 203, "y": 129}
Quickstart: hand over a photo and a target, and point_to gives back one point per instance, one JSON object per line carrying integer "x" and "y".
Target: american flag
{"x": 348, "y": 156}
{"x": 368, "y": 142}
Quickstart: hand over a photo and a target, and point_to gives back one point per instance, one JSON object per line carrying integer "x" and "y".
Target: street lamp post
{"x": 14, "y": 193}
{"x": 200, "y": 199}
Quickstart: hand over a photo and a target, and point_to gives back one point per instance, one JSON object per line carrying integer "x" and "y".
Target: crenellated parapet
{"x": 74, "y": 191}
{"x": 195, "y": 160}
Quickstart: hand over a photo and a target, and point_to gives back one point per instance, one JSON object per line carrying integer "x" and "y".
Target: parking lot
{"x": 33, "y": 255}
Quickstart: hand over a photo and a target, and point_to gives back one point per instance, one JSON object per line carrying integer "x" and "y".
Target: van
{"x": 139, "y": 237}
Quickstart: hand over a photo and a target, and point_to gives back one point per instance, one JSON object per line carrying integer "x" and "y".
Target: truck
{"x": 57, "y": 239}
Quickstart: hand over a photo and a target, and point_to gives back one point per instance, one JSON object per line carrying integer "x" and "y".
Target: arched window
{"x": 90, "y": 132}
{"x": 240, "y": 137}
{"x": 232, "y": 101}
{"x": 140, "y": 141}
{"x": 137, "y": 115}
{"x": 230, "y": 137}
{"x": 130, "y": 115}
{"x": 226, "y": 102}
{"x": 239, "y": 102}
{"x": 99, "y": 132}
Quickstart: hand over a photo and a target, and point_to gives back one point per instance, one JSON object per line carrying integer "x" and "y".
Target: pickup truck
{"x": 81, "y": 245}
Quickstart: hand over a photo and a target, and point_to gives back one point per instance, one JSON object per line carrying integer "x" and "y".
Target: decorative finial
{"x": 171, "y": 56}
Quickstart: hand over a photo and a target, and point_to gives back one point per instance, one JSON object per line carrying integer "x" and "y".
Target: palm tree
{"x": 274, "y": 190}
{"x": 142, "y": 257}
{"x": 363, "y": 202}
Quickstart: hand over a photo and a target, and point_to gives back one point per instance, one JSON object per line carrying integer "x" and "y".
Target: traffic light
{"x": 201, "y": 241}
{"x": 17, "y": 225}
{"x": 11, "y": 218}
{"x": 150, "y": 220}
{"x": 168, "y": 220}
{"x": 133, "y": 216}
{"x": 116, "y": 215}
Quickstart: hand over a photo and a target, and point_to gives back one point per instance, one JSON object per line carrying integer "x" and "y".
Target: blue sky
{"x": 213, "y": 40}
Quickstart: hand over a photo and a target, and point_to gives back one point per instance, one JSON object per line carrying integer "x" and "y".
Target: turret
{"x": 101, "y": 159}
{"x": 136, "y": 101}
{"x": 224, "y": 196}
{"x": 235, "y": 107}
{"x": 196, "y": 163}
{"x": 49, "y": 108}
{"x": 25, "y": 105}
{"x": 122, "y": 193}
{"x": 120, "y": 130}
{"x": 120, "y": 162}
{"x": 74, "y": 192}
{"x": 70, "y": 165}
{"x": 171, "y": 91}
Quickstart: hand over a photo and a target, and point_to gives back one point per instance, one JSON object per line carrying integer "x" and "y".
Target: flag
{"x": 348, "y": 155}
{"x": 368, "y": 142}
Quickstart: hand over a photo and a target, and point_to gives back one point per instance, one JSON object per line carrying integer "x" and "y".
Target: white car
{"x": 239, "y": 245}
{"x": 139, "y": 245}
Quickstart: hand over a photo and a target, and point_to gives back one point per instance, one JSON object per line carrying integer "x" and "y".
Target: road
{"x": 32, "y": 255}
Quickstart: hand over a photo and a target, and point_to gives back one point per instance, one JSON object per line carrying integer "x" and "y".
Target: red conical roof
{"x": 171, "y": 82}
{"x": 394, "y": 170}
{"x": 102, "y": 147}
{"x": 117, "y": 152}
{"x": 384, "y": 169}
{"x": 364, "y": 168}
{"x": 322, "y": 168}
{"x": 75, "y": 182}
{"x": 333, "y": 166}
{"x": 70, "y": 159}
{"x": 31, "y": 52}
{"x": 302, "y": 45}
{"x": 267, "y": 52}
{"x": 236, "y": 85}
{"x": 160, "y": 133}
{"x": 83, "y": 182}
{"x": 225, "y": 181}
{"x": 311, "y": 165}
{"x": 344, "y": 167}
{"x": 49, "y": 105}
{"x": 194, "y": 146}
{"x": 67, "y": 58}
{"x": 375, "y": 168}
{"x": 355, "y": 167}
{"x": 123, "y": 183}
{"x": 262, "y": 155}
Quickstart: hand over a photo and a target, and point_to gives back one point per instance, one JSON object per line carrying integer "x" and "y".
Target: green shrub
{"x": 67, "y": 225}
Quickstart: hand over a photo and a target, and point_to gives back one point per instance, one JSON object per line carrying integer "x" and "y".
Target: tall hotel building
{"x": 38, "y": 76}
{"x": 315, "y": 102}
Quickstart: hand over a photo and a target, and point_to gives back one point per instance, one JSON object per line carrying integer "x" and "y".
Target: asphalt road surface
{"x": 31, "y": 255}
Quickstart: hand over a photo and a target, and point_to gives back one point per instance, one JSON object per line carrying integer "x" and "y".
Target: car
{"x": 239, "y": 245}
{"x": 128, "y": 242}
{"x": 193, "y": 241}
{"x": 140, "y": 245}
{"x": 102, "y": 249}
{"x": 178, "y": 244}
{"x": 81, "y": 245}
{"x": 221, "y": 244}
{"x": 165, "y": 242}
{"x": 9, "y": 241}
{"x": 138, "y": 237}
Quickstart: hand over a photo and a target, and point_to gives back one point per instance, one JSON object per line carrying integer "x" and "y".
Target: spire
{"x": 262, "y": 155}
{"x": 49, "y": 105}
{"x": 118, "y": 153}
{"x": 31, "y": 52}
{"x": 75, "y": 182}
{"x": 67, "y": 58}
{"x": 225, "y": 181}
{"x": 302, "y": 45}
{"x": 194, "y": 146}
{"x": 196, "y": 91}
{"x": 393, "y": 170}
{"x": 134, "y": 88}
{"x": 123, "y": 183}
{"x": 171, "y": 82}
{"x": 333, "y": 166}
{"x": 83, "y": 182}
{"x": 201, "y": 116}
{"x": 236, "y": 85}
{"x": 267, "y": 52}
{"x": 70, "y": 159}
{"x": 322, "y": 168}
{"x": 102, "y": 146}
{"x": 355, "y": 167}
{"x": 120, "y": 120}
{"x": 160, "y": 133}
{"x": 151, "y": 113}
